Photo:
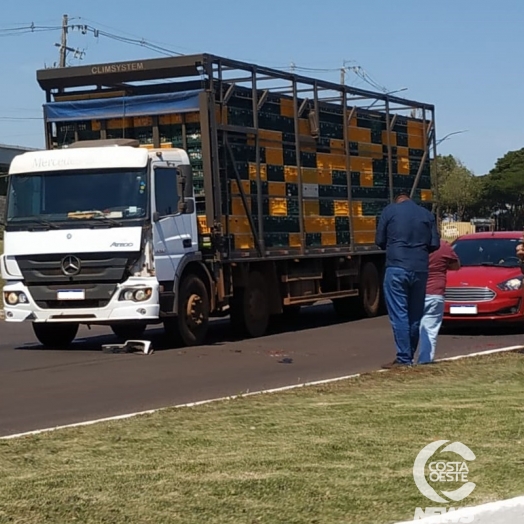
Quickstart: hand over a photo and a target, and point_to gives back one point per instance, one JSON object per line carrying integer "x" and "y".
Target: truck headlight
{"x": 12, "y": 298}
{"x": 513, "y": 284}
{"x": 142, "y": 294}
{"x": 128, "y": 295}
{"x": 136, "y": 295}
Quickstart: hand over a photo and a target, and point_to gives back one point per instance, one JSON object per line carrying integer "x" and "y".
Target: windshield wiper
{"x": 107, "y": 220}
{"x": 43, "y": 221}
{"x": 488, "y": 264}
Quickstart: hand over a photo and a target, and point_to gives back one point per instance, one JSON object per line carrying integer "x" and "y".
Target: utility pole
{"x": 63, "y": 44}
{"x": 343, "y": 75}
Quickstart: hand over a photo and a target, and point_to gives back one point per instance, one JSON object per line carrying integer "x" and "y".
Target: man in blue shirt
{"x": 408, "y": 233}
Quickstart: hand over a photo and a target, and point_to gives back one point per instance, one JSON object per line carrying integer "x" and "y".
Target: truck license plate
{"x": 71, "y": 294}
{"x": 463, "y": 310}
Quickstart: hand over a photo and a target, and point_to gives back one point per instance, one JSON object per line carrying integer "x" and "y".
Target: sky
{"x": 464, "y": 56}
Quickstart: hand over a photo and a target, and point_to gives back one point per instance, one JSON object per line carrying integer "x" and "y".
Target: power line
{"x": 161, "y": 48}
{"x": 129, "y": 34}
{"x": 14, "y": 118}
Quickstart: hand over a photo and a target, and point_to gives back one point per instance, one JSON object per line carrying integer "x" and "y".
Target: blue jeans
{"x": 405, "y": 292}
{"x": 429, "y": 327}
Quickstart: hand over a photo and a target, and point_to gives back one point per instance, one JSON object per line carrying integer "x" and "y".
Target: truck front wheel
{"x": 55, "y": 335}
{"x": 191, "y": 324}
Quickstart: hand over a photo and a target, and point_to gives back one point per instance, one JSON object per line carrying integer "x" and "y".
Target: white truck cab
{"x": 91, "y": 232}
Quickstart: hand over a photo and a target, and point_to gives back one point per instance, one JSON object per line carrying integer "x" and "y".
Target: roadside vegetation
{"x": 338, "y": 453}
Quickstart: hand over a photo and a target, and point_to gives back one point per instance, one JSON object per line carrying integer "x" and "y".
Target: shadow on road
{"x": 220, "y": 333}
{"x": 310, "y": 317}
{"x": 484, "y": 330}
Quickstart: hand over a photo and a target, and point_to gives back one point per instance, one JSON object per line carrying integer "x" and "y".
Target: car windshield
{"x": 110, "y": 196}
{"x": 499, "y": 252}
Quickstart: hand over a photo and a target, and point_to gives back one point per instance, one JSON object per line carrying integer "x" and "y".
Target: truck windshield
{"x": 110, "y": 196}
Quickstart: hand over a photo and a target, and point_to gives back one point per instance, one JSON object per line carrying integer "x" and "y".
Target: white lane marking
{"x": 187, "y": 405}
{"x": 241, "y": 395}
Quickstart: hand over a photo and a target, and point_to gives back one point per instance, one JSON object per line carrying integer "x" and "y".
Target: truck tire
{"x": 128, "y": 330}
{"x": 250, "y": 307}
{"x": 191, "y": 324}
{"x": 55, "y": 335}
{"x": 370, "y": 290}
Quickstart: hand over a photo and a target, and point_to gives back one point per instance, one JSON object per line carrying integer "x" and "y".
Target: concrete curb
{"x": 509, "y": 511}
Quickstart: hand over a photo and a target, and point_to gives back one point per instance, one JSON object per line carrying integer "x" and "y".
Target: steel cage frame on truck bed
{"x": 218, "y": 78}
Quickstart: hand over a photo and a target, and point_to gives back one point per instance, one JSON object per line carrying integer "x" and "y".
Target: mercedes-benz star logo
{"x": 70, "y": 266}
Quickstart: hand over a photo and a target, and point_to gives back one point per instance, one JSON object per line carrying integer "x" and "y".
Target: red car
{"x": 488, "y": 286}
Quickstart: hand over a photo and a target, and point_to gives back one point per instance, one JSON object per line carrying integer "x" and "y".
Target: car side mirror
{"x": 156, "y": 216}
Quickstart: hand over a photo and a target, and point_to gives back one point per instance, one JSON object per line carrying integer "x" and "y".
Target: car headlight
{"x": 513, "y": 284}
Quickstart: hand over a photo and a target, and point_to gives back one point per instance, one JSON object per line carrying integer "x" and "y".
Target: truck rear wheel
{"x": 128, "y": 330}
{"x": 55, "y": 335}
{"x": 369, "y": 301}
{"x": 191, "y": 324}
{"x": 250, "y": 307}
{"x": 370, "y": 290}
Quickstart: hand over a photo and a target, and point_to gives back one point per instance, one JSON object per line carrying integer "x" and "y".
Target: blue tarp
{"x": 120, "y": 107}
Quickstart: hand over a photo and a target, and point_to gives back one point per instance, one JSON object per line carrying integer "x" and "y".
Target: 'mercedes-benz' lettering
{"x": 117, "y": 68}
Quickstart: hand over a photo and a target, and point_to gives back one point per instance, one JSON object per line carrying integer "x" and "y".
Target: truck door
{"x": 174, "y": 234}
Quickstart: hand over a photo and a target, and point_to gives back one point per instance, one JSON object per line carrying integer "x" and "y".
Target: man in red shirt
{"x": 440, "y": 262}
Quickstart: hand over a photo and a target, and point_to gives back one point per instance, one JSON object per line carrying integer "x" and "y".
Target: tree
{"x": 504, "y": 186}
{"x": 459, "y": 190}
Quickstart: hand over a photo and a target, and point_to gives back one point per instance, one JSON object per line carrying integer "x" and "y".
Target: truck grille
{"x": 99, "y": 276}
{"x": 469, "y": 294}
{"x": 95, "y": 267}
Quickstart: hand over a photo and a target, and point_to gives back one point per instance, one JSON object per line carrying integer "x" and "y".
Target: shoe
{"x": 395, "y": 364}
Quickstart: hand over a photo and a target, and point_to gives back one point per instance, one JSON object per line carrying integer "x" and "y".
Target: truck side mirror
{"x": 156, "y": 216}
{"x": 186, "y": 207}
{"x": 185, "y": 189}
{"x": 185, "y": 179}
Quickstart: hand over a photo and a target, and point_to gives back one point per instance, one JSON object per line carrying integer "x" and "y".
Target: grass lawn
{"x": 340, "y": 453}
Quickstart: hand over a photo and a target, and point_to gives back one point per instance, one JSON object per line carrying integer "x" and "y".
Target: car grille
{"x": 469, "y": 294}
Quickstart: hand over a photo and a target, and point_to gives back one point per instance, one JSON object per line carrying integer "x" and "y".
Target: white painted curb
{"x": 242, "y": 395}
{"x": 188, "y": 405}
{"x": 502, "y": 512}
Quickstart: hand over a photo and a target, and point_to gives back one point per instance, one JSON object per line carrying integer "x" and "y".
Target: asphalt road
{"x": 44, "y": 388}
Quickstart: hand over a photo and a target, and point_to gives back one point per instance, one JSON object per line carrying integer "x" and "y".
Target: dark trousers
{"x": 405, "y": 292}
